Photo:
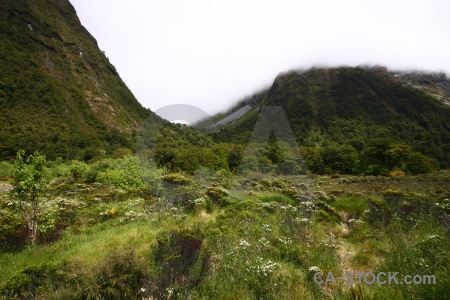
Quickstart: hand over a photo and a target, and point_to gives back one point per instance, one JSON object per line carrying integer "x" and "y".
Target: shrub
{"x": 35, "y": 281}
{"x": 378, "y": 212}
{"x": 354, "y": 207}
{"x": 28, "y": 185}
{"x": 420, "y": 164}
{"x": 56, "y": 168}
{"x": 406, "y": 206}
{"x": 376, "y": 170}
{"x": 67, "y": 210}
{"x": 6, "y": 169}
{"x": 219, "y": 195}
{"x": 278, "y": 198}
{"x": 94, "y": 169}
{"x": 290, "y": 192}
{"x": 13, "y": 232}
{"x": 121, "y": 179}
{"x": 325, "y": 212}
{"x": 176, "y": 179}
{"x": 48, "y": 217}
{"x": 123, "y": 173}
{"x": 181, "y": 195}
{"x": 182, "y": 263}
{"x": 78, "y": 169}
{"x": 393, "y": 197}
{"x": 121, "y": 275}
{"x": 197, "y": 204}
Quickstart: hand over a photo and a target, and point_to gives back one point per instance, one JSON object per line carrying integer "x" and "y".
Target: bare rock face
{"x": 436, "y": 85}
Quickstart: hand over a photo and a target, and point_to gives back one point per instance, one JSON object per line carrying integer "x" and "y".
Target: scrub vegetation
{"x": 120, "y": 229}
{"x": 101, "y": 199}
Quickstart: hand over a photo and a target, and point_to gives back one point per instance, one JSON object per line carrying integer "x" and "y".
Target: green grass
{"x": 88, "y": 248}
{"x": 259, "y": 246}
{"x": 350, "y": 204}
{"x": 274, "y": 197}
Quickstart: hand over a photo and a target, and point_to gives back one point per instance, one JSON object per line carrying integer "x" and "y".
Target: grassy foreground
{"x": 212, "y": 236}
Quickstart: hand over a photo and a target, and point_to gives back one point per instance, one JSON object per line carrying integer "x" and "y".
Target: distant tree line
{"x": 180, "y": 148}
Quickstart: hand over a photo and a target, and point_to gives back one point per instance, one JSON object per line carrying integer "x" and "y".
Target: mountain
{"x": 59, "y": 94}
{"x": 356, "y": 106}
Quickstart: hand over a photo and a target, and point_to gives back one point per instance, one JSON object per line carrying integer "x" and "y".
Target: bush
{"x": 290, "y": 192}
{"x": 420, "y": 164}
{"x": 6, "y": 169}
{"x": 182, "y": 263}
{"x": 325, "y": 212}
{"x": 181, "y": 195}
{"x": 56, "y": 168}
{"x": 28, "y": 185}
{"x": 35, "y": 281}
{"x": 78, "y": 169}
{"x": 48, "y": 220}
{"x": 219, "y": 195}
{"x": 197, "y": 204}
{"x": 278, "y": 198}
{"x": 407, "y": 207}
{"x": 94, "y": 169}
{"x": 121, "y": 179}
{"x": 121, "y": 275}
{"x": 13, "y": 231}
{"x": 376, "y": 170}
{"x": 378, "y": 213}
{"x": 176, "y": 179}
{"x": 354, "y": 207}
{"x": 393, "y": 197}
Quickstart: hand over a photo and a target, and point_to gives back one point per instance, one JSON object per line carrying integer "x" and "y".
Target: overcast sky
{"x": 212, "y": 53}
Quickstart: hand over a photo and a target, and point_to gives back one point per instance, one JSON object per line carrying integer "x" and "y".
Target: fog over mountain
{"x": 212, "y": 53}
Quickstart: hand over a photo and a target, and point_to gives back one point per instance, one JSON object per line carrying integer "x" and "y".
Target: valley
{"x": 142, "y": 233}
{"x": 328, "y": 170}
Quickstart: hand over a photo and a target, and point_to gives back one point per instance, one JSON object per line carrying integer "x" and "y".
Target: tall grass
{"x": 258, "y": 246}
{"x": 353, "y": 205}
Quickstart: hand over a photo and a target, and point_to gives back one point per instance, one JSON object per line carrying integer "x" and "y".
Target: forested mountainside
{"x": 59, "y": 94}
{"x": 363, "y": 108}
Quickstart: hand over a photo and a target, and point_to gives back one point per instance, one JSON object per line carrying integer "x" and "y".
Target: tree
{"x": 28, "y": 184}
{"x": 273, "y": 151}
{"x": 420, "y": 164}
{"x": 340, "y": 158}
{"x": 313, "y": 159}
{"x": 234, "y": 157}
{"x": 397, "y": 154}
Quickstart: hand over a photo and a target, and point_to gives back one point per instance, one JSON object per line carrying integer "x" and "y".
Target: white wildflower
{"x": 244, "y": 244}
{"x": 314, "y": 269}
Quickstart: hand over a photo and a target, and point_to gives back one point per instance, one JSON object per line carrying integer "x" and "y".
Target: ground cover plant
{"x": 120, "y": 229}
{"x": 110, "y": 201}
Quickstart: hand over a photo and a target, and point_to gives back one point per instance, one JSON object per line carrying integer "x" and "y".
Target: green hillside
{"x": 360, "y": 107}
{"x": 59, "y": 94}
{"x": 126, "y": 205}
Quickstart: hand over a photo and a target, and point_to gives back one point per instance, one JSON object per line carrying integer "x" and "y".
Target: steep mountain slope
{"x": 59, "y": 94}
{"x": 355, "y": 106}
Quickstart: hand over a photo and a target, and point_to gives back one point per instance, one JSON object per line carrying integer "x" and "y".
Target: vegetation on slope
{"x": 196, "y": 217}
{"x": 59, "y": 94}
{"x": 355, "y": 107}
